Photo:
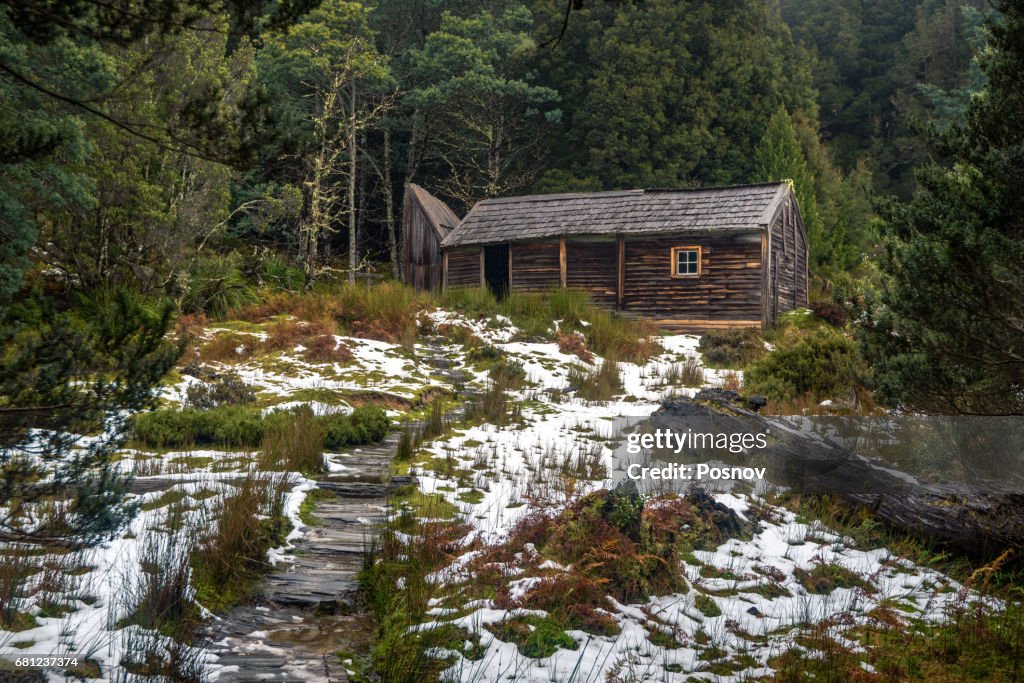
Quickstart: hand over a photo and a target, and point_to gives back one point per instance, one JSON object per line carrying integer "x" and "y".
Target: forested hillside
{"x": 210, "y": 364}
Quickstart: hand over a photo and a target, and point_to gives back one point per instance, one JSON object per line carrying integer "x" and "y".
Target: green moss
{"x": 168, "y": 497}
{"x": 825, "y": 578}
{"x": 16, "y": 621}
{"x": 309, "y": 505}
{"x": 535, "y": 637}
{"x": 707, "y": 606}
{"x": 473, "y": 496}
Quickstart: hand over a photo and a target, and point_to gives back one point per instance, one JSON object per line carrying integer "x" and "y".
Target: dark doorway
{"x": 496, "y": 269}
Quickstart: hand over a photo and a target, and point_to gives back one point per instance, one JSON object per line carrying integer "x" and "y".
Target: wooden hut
{"x": 692, "y": 260}
{"x": 426, "y": 221}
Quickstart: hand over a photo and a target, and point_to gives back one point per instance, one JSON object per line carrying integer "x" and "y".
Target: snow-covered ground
{"x": 515, "y": 471}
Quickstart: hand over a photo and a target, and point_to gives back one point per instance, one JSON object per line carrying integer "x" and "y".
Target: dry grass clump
{"x": 326, "y": 349}
{"x": 229, "y": 347}
{"x": 573, "y": 343}
{"x": 599, "y": 384}
{"x": 386, "y": 311}
{"x": 246, "y": 523}
{"x": 285, "y": 335}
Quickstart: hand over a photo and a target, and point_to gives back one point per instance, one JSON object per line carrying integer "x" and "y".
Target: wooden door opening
{"x": 496, "y": 269}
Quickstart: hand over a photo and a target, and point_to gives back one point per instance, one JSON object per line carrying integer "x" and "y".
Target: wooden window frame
{"x": 674, "y": 273}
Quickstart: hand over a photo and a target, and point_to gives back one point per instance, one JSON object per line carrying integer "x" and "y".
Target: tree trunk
{"x": 389, "y": 208}
{"x": 353, "y": 242}
{"x": 979, "y": 517}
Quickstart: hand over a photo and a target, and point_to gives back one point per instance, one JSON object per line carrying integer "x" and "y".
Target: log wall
{"x": 463, "y": 267}
{"x": 786, "y": 281}
{"x": 535, "y": 266}
{"x": 590, "y": 267}
{"x": 727, "y": 293}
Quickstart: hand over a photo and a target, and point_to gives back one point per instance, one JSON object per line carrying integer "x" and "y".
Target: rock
{"x": 757, "y": 402}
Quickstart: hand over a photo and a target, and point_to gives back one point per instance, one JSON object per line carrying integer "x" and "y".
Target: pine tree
{"x": 949, "y": 326}
{"x": 779, "y": 156}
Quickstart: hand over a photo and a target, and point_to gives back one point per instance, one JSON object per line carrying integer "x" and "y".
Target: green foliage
{"x": 731, "y": 349}
{"x": 217, "y": 285}
{"x": 225, "y": 426}
{"x": 821, "y": 363}
{"x": 944, "y": 331}
{"x": 225, "y": 389}
{"x": 665, "y": 94}
{"x": 779, "y": 156}
{"x": 235, "y": 426}
{"x": 72, "y": 369}
{"x": 366, "y": 424}
{"x": 535, "y": 637}
{"x": 485, "y": 109}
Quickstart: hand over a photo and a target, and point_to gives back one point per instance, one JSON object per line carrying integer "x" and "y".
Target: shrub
{"x": 819, "y": 364}
{"x": 227, "y": 426}
{"x": 229, "y": 346}
{"x": 829, "y": 311}
{"x": 364, "y": 425}
{"x": 285, "y": 335}
{"x": 224, "y": 389}
{"x": 217, "y": 285}
{"x": 731, "y": 349}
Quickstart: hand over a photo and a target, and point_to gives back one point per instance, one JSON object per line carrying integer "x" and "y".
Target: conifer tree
{"x": 949, "y": 325}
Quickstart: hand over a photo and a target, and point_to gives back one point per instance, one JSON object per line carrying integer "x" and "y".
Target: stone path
{"x": 309, "y": 610}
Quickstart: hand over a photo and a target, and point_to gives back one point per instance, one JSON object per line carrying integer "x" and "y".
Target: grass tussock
{"x": 734, "y": 349}
{"x": 601, "y": 332}
{"x": 810, "y": 365}
{"x": 602, "y": 383}
{"x": 294, "y": 445}
{"x": 246, "y": 523}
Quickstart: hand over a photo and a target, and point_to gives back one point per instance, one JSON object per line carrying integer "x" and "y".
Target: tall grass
{"x": 294, "y": 443}
{"x": 245, "y": 524}
{"x": 608, "y": 335}
{"x": 598, "y": 384}
{"x": 386, "y": 311}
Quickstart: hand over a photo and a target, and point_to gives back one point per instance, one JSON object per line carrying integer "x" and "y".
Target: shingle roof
{"x": 442, "y": 218}
{"x": 627, "y": 212}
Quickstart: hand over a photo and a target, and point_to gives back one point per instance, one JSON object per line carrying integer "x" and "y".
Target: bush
{"x": 225, "y": 389}
{"x": 227, "y": 426}
{"x": 731, "y": 349}
{"x": 820, "y": 364}
{"x": 326, "y": 349}
{"x": 366, "y": 424}
{"x": 832, "y": 313}
{"x": 217, "y": 285}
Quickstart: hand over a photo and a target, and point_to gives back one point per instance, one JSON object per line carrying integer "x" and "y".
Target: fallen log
{"x": 981, "y": 516}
